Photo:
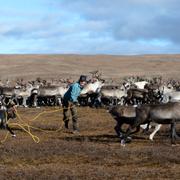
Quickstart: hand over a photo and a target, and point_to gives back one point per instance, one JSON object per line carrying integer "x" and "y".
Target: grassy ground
{"x": 29, "y": 67}
{"x": 94, "y": 154}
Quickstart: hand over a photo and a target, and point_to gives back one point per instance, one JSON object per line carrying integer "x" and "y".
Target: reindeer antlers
{"x": 95, "y": 74}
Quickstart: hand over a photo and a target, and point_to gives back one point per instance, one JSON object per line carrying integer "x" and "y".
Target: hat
{"x": 82, "y": 78}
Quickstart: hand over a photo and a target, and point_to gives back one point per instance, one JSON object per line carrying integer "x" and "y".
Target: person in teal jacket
{"x": 70, "y": 101}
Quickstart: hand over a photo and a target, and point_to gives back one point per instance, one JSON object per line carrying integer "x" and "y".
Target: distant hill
{"x": 56, "y": 66}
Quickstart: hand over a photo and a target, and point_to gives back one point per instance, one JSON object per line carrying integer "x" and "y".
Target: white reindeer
{"x": 141, "y": 84}
{"x": 93, "y": 87}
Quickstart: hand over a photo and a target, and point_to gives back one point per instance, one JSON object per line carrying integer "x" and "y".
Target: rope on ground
{"x": 5, "y": 138}
{"x": 27, "y": 128}
{"x": 36, "y": 117}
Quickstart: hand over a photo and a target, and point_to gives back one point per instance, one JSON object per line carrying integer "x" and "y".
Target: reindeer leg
{"x": 126, "y": 135}
{"x": 118, "y": 130}
{"x": 129, "y": 132}
{"x": 24, "y": 101}
{"x": 10, "y": 130}
{"x": 157, "y": 127}
{"x": 145, "y": 131}
{"x": 177, "y": 136}
{"x": 173, "y": 133}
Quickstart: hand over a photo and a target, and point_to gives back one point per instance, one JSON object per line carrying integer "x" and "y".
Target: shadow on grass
{"x": 104, "y": 138}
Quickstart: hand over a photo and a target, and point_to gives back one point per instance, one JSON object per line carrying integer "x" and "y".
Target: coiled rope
{"x": 27, "y": 128}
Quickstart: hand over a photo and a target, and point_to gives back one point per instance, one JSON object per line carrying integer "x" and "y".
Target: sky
{"x": 115, "y": 27}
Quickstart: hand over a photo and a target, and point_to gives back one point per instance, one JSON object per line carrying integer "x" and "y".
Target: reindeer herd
{"x": 96, "y": 93}
{"x": 134, "y": 101}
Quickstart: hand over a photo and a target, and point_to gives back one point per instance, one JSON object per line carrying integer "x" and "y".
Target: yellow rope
{"x": 5, "y": 138}
{"x": 36, "y": 117}
{"x": 35, "y": 138}
{"x": 27, "y": 128}
{"x": 45, "y": 112}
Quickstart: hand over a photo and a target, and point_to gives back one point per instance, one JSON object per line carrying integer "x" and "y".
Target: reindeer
{"x": 91, "y": 90}
{"x": 161, "y": 113}
{"x": 7, "y": 112}
{"x": 127, "y": 115}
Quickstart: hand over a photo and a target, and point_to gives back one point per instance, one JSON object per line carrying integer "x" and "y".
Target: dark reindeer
{"x": 123, "y": 115}
{"x": 7, "y": 112}
{"x": 127, "y": 115}
{"x": 161, "y": 113}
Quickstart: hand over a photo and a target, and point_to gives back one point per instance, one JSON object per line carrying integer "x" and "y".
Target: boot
{"x": 66, "y": 125}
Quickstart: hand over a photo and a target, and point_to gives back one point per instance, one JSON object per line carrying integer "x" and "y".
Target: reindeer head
{"x": 96, "y": 75}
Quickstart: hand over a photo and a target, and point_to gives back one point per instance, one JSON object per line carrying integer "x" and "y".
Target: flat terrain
{"x": 58, "y": 66}
{"x": 96, "y": 153}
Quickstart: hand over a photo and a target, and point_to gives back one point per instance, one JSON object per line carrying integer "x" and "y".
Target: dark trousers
{"x": 67, "y": 108}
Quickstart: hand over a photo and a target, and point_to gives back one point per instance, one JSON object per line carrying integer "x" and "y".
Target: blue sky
{"x": 121, "y": 27}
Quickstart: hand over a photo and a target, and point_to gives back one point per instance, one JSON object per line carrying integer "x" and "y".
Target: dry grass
{"x": 94, "y": 154}
{"x": 116, "y": 67}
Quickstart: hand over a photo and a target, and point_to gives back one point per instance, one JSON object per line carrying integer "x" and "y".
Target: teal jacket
{"x": 73, "y": 92}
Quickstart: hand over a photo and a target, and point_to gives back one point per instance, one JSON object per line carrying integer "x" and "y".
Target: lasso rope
{"x": 27, "y": 128}
{"x": 5, "y": 138}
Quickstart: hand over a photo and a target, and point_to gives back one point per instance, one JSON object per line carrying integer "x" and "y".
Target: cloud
{"x": 159, "y": 28}
{"x": 131, "y": 20}
{"x": 92, "y": 26}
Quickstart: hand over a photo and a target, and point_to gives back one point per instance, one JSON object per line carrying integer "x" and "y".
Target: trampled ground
{"x": 94, "y": 154}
